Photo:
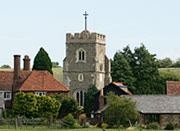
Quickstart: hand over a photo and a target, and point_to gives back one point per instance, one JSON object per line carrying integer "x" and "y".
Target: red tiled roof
{"x": 118, "y": 83}
{"x": 173, "y": 87}
{"x": 42, "y": 81}
{"x": 6, "y": 80}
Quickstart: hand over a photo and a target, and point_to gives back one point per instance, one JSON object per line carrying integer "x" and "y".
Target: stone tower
{"x": 85, "y": 63}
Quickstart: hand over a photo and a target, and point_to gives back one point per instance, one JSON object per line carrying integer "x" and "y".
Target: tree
{"x": 42, "y": 61}
{"x": 177, "y": 63}
{"x": 33, "y": 106}
{"x": 120, "y": 110}
{"x": 55, "y": 64}
{"x": 5, "y": 66}
{"x": 138, "y": 69}
{"x": 89, "y": 100}
{"x": 145, "y": 70}
{"x": 121, "y": 70}
{"x": 69, "y": 104}
{"x": 165, "y": 63}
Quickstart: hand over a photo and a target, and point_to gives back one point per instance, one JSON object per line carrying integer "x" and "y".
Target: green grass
{"x": 58, "y": 74}
{"x": 175, "y": 70}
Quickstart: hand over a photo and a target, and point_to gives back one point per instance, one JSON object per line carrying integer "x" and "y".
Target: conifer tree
{"x": 42, "y": 61}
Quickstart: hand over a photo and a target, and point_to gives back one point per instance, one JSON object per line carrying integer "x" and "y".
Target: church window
{"x": 81, "y": 102}
{"x": 80, "y": 55}
{"x": 80, "y": 77}
{"x": 77, "y": 96}
{"x": 101, "y": 77}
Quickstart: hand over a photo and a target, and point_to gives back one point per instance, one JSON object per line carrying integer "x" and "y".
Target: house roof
{"x": 173, "y": 87}
{"x": 42, "y": 81}
{"x": 31, "y": 81}
{"x": 6, "y": 80}
{"x": 157, "y": 103}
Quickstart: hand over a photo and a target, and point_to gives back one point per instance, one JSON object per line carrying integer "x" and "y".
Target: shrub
{"x": 170, "y": 126}
{"x": 153, "y": 125}
{"x": 4, "y": 114}
{"x": 68, "y": 121}
{"x": 141, "y": 127}
{"x": 104, "y": 125}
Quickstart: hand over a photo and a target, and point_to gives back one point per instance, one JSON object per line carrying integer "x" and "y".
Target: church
{"x": 86, "y": 63}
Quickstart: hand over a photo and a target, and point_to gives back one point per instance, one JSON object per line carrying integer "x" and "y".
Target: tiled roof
{"x": 173, "y": 87}
{"x": 157, "y": 103}
{"x": 31, "y": 81}
{"x": 6, "y": 80}
{"x": 42, "y": 81}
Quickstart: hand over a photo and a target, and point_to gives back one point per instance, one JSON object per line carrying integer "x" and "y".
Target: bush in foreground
{"x": 68, "y": 121}
{"x": 170, "y": 126}
{"x": 153, "y": 125}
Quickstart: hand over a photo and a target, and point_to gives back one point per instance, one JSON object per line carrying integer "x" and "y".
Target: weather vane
{"x": 85, "y": 20}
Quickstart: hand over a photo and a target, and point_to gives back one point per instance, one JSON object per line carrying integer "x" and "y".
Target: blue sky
{"x": 27, "y": 25}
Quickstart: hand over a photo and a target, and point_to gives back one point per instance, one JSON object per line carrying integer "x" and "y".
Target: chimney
{"x": 26, "y": 63}
{"x": 16, "y": 66}
{"x": 101, "y": 99}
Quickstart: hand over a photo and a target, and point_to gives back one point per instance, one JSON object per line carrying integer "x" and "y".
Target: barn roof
{"x": 157, "y": 103}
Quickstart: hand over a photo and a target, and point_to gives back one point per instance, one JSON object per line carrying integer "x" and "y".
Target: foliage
{"x": 42, "y": 61}
{"x": 104, "y": 125}
{"x": 170, "y": 126}
{"x": 69, "y": 104}
{"x": 165, "y": 63}
{"x": 68, "y": 121}
{"x": 120, "y": 110}
{"x": 81, "y": 118}
{"x": 5, "y": 66}
{"x": 55, "y": 64}
{"x": 141, "y": 127}
{"x": 139, "y": 71}
{"x": 4, "y": 114}
{"x": 121, "y": 70}
{"x": 153, "y": 125}
{"x": 89, "y": 100}
{"x": 33, "y": 106}
{"x": 177, "y": 63}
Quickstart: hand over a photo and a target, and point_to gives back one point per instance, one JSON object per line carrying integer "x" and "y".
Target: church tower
{"x": 85, "y": 63}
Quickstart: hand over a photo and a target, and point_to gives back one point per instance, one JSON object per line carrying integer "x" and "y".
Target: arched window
{"x": 77, "y": 96}
{"x": 80, "y": 55}
{"x": 81, "y": 100}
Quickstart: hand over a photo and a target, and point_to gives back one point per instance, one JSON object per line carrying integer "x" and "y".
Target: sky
{"x": 27, "y": 25}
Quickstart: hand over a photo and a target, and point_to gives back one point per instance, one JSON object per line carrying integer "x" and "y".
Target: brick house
{"x": 173, "y": 87}
{"x": 163, "y": 109}
{"x": 37, "y": 82}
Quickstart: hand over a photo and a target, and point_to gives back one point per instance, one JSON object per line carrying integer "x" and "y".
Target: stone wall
{"x": 169, "y": 118}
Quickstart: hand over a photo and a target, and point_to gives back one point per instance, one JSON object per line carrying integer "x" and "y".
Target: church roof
{"x": 157, "y": 103}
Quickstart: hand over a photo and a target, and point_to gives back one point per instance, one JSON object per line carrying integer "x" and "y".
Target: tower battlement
{"x": 85, "y": 37}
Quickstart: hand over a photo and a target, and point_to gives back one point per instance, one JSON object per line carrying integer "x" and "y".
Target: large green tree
{"x": 121, "y": 70}
{"x": 120, "y": 111}
{"x": 138, "y": 70}
{"x": 165, "y": 63}
{"x": 145, "y": 70}
{"x": 42, "y": 61}
{"x": 89, "y": 100}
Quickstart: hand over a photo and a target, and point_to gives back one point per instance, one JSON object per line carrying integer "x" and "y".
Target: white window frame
{"x": 40, "y": 93}
{"x": 7, "y": 95}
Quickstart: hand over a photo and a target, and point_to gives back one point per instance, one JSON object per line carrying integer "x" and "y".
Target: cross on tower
{"x": 85, "y": 20}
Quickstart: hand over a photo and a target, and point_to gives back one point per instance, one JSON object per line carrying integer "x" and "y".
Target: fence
{"x": 29, "y": 123}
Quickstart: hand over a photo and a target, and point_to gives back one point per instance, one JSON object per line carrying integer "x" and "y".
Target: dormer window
{"x": 80, "y": 55}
